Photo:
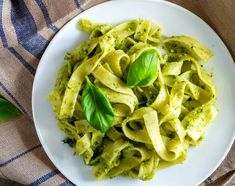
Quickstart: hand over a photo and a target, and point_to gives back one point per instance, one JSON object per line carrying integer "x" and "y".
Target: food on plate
{"x": 131, "y": 101}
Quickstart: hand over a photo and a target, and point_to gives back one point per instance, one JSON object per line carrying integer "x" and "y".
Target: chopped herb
{"x": 70, "y": 142}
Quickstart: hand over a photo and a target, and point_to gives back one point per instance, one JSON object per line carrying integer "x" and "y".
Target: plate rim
{"x": 40, "y": 64}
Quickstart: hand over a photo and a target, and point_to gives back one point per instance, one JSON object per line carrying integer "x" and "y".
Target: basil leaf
{"x": 96, "y": 107}
{"x": 7, "y": 110}
{"x": 143, "y": 70}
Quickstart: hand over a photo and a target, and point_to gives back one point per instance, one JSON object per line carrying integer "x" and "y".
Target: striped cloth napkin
{"x": 26, "y": 27}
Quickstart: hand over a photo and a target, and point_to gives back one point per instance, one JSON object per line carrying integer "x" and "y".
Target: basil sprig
{"x": 7, "y": 110}
{"x": 143, "y": 70}
{"x": 96, "y": 107}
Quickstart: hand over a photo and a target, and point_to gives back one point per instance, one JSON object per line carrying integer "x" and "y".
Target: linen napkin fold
{"x": 26, "y": 27}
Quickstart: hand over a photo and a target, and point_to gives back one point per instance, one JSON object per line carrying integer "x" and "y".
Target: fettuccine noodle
{"x": 153, "y": 125}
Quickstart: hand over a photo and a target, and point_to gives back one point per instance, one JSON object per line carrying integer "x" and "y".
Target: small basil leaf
{"x": 143, "y": 70}
{"x": 96, "y": 107}
{"x": 7, "y": 110}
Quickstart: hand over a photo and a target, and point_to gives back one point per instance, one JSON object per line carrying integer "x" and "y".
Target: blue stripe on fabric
{"x": 46, "y": 16}
{"x": 26, "y": 29}
{"x": 36, "y": 45}
{"x": 13, "y": 98}
{"x": 45, "y": 178}
{"x": 77, "y": 2}
{"x": 23, "y": 61}
{"x": 19, "y": 155}
{"x": 2, "y": 34}
{"x": 67, "y": 183}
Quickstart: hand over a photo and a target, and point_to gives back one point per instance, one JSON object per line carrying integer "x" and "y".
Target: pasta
{"x": 153, "y": 120}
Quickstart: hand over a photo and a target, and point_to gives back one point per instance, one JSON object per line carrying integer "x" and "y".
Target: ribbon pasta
{"x": 154, "y": 125}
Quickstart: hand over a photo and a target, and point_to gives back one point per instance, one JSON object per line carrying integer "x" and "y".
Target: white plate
{"x": 174, "y": 20}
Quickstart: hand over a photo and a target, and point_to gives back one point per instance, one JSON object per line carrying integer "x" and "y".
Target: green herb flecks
{"x": 70, "y": 142}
